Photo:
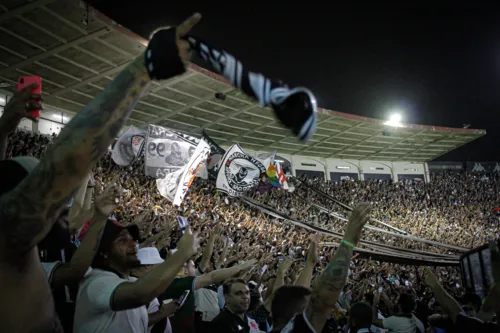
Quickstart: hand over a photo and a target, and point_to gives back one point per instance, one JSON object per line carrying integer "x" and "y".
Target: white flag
{"x": 175, "y": 185}
{"x": 238, "y": 172}
{"x": 168, "y": 186}
{"x": 267, "y": 158}
{"x": 167, "y": 151}
{"x": 190, "y": 170}
{"x": 128, "y": 146}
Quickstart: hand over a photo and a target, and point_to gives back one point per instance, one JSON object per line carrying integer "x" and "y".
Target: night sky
{"x": 440, "y": 66}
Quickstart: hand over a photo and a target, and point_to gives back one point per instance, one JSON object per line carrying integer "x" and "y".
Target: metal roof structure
{"x": 77, "y": 51}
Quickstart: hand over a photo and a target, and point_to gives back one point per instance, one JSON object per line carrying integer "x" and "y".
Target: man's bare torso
{"x": 27, "y": 304}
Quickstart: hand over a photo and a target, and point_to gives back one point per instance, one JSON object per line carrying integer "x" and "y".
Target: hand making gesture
{"x": 359, "y": 217}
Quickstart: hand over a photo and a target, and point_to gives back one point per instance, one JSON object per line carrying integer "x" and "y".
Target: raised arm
{"x": 283, "y": 268}
{"x": 448, "y": 303}
{"x": 306, "y": 275}
{"x": 333, "y": 278}
{"x": 222, "y": 258}
{"x": 221, "y": 275}
{"x": 209, "y": 249}
{"x": 154, "y": 238}
{"x": 73, "y": 271}
{"x": 130, "y": 295}
{"x": 28, "y": 212}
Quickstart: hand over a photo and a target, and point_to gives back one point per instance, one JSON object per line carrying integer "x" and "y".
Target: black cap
{"x": 111, "y": 231}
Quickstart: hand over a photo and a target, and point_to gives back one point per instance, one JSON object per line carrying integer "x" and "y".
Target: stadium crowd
{"x": 244, "y": 233}
{"x": 91, "y": 247}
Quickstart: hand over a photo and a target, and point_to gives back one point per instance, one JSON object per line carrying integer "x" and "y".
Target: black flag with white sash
{"x": 295, "y": 107}
{"x": 209, "y": 170}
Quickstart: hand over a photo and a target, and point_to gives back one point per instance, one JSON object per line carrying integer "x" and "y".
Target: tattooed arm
{"x": 333, "y": 278}
{"x": 28, "y": 212}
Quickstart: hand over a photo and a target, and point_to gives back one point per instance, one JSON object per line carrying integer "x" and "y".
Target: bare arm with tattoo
{"x": 28, "y": 212}
{"x": 330, "y": 283}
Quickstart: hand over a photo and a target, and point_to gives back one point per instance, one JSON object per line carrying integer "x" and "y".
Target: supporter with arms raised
{"x": 63, "y": 277}
{"x": 330, "y": 283}
{"x": 28, "y": 212}
{"x": 461, "y": 321}
{"x": 60, "y": 274}
{"x": 109, "y": 300}
{"x": 289, "y": 301}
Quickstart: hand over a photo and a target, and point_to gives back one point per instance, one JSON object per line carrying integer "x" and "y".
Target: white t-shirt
{"x": 93, "y": 313}
{"x": 396, "y": 324}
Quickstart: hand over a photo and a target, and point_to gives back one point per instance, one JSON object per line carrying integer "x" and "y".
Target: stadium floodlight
{"x": 394, "y": 119}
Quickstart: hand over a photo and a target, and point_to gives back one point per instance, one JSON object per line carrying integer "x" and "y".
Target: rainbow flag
{"x": 272, "y": 175}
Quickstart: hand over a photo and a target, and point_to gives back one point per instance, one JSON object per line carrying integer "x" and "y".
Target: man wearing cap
{"x": 158, "y": 314}
{"x": 109, "y": 300}
{"x": 62, "y": 275}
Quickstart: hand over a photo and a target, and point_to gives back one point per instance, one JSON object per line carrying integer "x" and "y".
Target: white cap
{"x": 149, "y": 256}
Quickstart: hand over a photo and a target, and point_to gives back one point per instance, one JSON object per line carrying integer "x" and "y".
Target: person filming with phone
{"x": 109, "y": 299}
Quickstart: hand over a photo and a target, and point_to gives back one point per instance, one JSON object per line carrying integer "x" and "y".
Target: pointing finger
{"x": 188, "y": 24}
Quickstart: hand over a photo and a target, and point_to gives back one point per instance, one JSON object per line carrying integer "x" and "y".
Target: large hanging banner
{"x": 209, "y": 170}
{"x": 197, "y": 161}
{"x": 129, "y": 146}
{"x": 175, "y": 187}
{"x": 167, "y": 151}
{"x": 239, "y": 172}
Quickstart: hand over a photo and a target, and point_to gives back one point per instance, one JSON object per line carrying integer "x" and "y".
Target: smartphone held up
{"x": 25, "y": 81}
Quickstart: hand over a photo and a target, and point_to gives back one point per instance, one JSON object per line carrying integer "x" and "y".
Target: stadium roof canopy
{"x": 78, "y": 51}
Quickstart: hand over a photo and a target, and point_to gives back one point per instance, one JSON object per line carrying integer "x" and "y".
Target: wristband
{"x": 162, "y": 58}
{"x": 351, "y": 245}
